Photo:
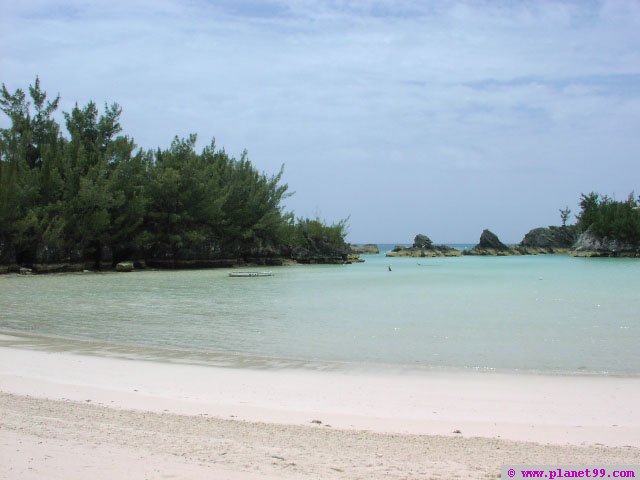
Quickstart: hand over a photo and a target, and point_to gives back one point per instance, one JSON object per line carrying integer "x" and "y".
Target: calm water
{"x": 538, "y": 313}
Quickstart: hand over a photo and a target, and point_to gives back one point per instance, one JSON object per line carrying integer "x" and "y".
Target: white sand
{"x": 410, "y": 417}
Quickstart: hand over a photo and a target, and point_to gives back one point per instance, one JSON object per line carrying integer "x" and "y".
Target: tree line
{"x": 90, "y": 194}
{"x": 606, "y": 217}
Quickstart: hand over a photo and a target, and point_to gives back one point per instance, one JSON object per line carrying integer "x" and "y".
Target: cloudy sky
{"x": 440, "y": 117}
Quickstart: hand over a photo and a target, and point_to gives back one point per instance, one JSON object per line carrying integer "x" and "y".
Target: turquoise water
{"x": 534, "y": 313}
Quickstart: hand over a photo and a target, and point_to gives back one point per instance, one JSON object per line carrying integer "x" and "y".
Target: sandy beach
{"x": 66, "y": 415}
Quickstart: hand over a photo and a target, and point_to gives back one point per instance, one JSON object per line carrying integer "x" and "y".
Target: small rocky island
{"x": 490, "y": 244}
{"x": 548, "y": 240}
{"x": 364, "y": 249}
{"x": 556, "y": 240}
{"x": 605, "y": 227}
{"x": 424, "y": 247}
{"x": 538, "y": 241}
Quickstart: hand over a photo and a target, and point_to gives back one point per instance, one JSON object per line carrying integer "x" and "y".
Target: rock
{"x": 364, "y": 249}
{"x": 274, "y": 261}
{"x": 589, "y": 245}
{"x": 300, "y": 252}
{"x": 434, "y": 251}
{"x": 490, "y": 245}
{"x": 124, "y": 266}
{"x": 550, "y": 238}
{"x": 189, "y": 264}
{"x": 488, "y": 239}
{"x": 539, "y": 250}
{"x": 424, "y": 247}
{"x": 57, "y": 267}
{"x": 354, "y": 258}
{"x": 321, "y": 251}
{"x": 422, "y": 241}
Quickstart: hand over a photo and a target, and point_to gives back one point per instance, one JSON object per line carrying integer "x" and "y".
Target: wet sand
{"x": 80, "y": 416}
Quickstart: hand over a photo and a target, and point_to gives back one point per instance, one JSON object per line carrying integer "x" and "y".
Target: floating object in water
{"x": 251, "y": 274}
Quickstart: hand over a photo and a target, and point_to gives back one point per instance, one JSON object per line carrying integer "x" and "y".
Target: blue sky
{"x": 442, "y": 117}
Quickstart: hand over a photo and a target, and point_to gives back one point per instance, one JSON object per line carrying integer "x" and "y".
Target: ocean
{"x": 548, "y": 314}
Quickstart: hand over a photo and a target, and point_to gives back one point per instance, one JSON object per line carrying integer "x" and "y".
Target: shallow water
{"x": 535, "y": 313}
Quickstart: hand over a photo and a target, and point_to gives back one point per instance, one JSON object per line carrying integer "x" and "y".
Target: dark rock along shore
{"x": 424, "y": 247}
{"x": 48, "y": 260}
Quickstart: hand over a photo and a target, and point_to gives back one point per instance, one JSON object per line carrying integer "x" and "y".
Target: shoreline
{"x": 557, "y": 409}
{"x": 73, "y": 416}
{"x": 21, "y": 340}
{"x": 54, "y": 269}
{"x": 151, "y": 265}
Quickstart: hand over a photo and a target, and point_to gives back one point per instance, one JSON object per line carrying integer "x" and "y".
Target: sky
{"x": 434, "y": 117}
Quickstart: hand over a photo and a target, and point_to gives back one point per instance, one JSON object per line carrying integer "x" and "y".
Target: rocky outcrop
{"x": 548, "y": 240}
{"x": 320, "y": 255}
{"x": 187, "y": 264}
{"x": 488, "y": 239}
{"x": 354, "y": 258}
{"x": 57, "y": 267}
{"x": 422, "y": 241}
{"x": 364, "y": 249}
{"x": 124, "y": 266}
{"x": 491, "y": 245}
{"x": 319, "y": 248}
{"x": 589, "y": 245}
{"x": 424, "y": 247}
{"x": 212, "y": 255}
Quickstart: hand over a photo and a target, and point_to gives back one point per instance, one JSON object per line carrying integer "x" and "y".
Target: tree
{"x": 588, "y": 210}
{"x": 89, "y": 190}
{"x": 608, "y": 218}
{"x": 565, "y": 213}
{"x": 29, "y": 152}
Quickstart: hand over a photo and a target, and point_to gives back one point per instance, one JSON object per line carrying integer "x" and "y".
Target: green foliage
{"x": 565, "y": 213}
{"x": 29, "y": 149}
{"x": 606, "y": 217}
{"x": 316, "y": 236}
{"x": 93, "y": 189}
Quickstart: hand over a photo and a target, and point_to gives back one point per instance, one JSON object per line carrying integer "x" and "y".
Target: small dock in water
{"x": 251, "y": 274}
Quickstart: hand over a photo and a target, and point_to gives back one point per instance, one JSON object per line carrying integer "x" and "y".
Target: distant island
{"x": 364, "y": 249}
{"x": 424, "y": 247}
{"x": 92, "y": 199}
{"x": 604, "y": 228}
{"x": 538, "y": 241}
